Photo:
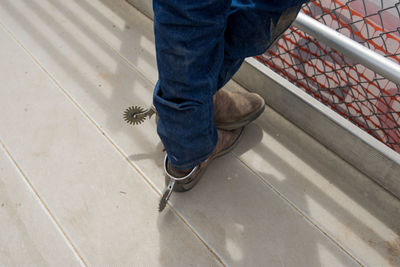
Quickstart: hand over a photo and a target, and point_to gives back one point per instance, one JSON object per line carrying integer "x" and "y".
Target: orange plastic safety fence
{"x": 355, "y": 92}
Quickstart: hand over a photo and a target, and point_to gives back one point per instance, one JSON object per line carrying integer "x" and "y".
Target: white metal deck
{"x": 78, "y": 186}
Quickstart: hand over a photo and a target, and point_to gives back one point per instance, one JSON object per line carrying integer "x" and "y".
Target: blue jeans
{"x": 200, "y": 44}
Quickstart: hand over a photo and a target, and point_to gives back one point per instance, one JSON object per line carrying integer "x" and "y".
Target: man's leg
{"x": 252, "y": 27}
{"x": 190, "y": 47}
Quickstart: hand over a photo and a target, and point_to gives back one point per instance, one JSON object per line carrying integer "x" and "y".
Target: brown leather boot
{"x": 233, "y": 110}
{"x": 227, "y": 140}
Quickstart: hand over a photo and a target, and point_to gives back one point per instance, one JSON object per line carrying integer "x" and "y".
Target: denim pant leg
{"x": 229, "y": 67}
{"x": 190, "y": 47}
{"x": 252, "y": 27}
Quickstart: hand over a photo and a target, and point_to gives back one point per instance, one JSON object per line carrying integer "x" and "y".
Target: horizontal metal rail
{"x": 357, "y": 52}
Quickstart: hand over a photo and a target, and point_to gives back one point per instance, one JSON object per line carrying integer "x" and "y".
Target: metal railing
{"x": 347, "y": 57}
{"x": 357, "y": 52}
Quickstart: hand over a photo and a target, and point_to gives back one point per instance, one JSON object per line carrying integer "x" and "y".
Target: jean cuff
{"x": 193, "y": 163}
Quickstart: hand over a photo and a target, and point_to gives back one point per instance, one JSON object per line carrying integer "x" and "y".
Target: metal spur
{"x": 135, "y": 115}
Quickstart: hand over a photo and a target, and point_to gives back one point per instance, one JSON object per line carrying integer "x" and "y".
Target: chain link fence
{"x": 357, "y": 93}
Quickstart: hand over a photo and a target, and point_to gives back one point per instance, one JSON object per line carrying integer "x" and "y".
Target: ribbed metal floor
{"x": 78, "y": 186}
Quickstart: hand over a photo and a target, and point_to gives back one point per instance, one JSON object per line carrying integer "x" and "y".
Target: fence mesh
{"x": 357, "y": 93}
